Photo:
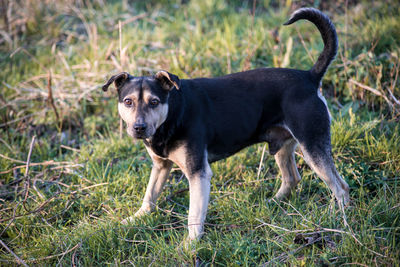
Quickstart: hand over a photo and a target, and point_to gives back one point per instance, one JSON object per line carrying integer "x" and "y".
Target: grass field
{"x": 68, "y": 175}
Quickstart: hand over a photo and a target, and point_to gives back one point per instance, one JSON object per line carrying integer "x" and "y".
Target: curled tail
{"x": 328, "y": 33}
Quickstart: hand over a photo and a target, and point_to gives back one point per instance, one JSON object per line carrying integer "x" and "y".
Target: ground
{"x": 85, "y": 174}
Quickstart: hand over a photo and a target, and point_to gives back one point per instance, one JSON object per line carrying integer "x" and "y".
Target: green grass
{"x": 71, "y": 211}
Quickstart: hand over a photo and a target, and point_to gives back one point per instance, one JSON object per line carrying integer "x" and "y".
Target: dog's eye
{"x": 128, "y": 102}
{"x": 154, "y": 102}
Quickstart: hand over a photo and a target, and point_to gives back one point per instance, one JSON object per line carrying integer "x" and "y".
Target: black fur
{"x": 226, "y": 114}
{"x": 329, "y": 36}
{"x": 118, "y": 79}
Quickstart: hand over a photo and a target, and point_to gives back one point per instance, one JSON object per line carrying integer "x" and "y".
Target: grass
{"x": 83, "y": 178}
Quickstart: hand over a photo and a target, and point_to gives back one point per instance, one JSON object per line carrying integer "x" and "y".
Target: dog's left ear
{"x": 168, "y": 81}
{"x": 118, "y": 79}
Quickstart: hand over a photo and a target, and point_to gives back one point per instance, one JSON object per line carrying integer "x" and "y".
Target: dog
{"x": 194, "y": 122}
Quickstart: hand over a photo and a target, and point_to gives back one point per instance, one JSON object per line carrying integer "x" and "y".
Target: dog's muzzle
{"x": 140, "y": 130}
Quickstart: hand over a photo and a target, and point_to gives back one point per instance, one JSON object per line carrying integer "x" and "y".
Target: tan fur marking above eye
{"x": 147, "y": 96}
{"x": 134, "y": 95}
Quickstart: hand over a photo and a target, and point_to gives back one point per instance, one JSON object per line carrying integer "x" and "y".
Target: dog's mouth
{"x": 139, "y": 134}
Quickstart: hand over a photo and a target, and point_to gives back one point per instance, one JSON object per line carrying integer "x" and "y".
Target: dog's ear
{"x": 118, "y": 80}
{"x": 167, "y": 80}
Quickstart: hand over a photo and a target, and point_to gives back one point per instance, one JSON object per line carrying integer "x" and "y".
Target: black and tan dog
{"x": 195, "y": 122}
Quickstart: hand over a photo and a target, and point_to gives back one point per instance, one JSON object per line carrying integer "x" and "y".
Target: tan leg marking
{"x": 287, "y": 165}
{"x": 326, "y": 170}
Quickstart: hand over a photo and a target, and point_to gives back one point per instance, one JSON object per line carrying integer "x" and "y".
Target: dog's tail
{"x": 328, "y": 32}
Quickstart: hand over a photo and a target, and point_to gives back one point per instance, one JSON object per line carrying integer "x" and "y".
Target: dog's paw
{"x": 141, "y": 212}
{"x": 344, "y": 203}
{"x": 189, "y": 245}
{"x": 283, "y": 194}
{"x": 128, "y": 220}
{"x": 343, "y": 198}
{"x": 138, "y": 214}
{"x": 274, "y": 200}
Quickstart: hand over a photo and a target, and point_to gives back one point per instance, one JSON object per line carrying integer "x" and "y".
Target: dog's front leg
{"x": 158, "y": 177}
{"x": 199, "y": 186}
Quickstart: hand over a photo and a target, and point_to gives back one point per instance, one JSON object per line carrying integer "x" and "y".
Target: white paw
{"x": 141, "y": 212}
{"x": 128, "y": 220}
{"x": 189, "y": 245}
{"x": 283, "y": 192}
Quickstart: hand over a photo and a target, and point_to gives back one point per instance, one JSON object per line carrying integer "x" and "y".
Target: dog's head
{"x": 143, "y": 101}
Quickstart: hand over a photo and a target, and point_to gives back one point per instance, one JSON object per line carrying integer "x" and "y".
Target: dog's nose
{"x": 140, "y": 127}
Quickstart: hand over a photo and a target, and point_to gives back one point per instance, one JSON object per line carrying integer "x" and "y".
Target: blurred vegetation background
{"x": 68, "y": 174}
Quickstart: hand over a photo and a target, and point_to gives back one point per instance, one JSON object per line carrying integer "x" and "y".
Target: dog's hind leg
{"x": 287, "y": 165}
{"x": 308, "y": 120}
{"x": 321, "y": 161}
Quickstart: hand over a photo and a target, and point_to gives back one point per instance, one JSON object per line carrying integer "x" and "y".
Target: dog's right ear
{"x": 118, "y": 80}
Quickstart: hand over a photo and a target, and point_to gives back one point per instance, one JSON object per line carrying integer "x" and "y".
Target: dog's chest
{"x": 157, "y": 148}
